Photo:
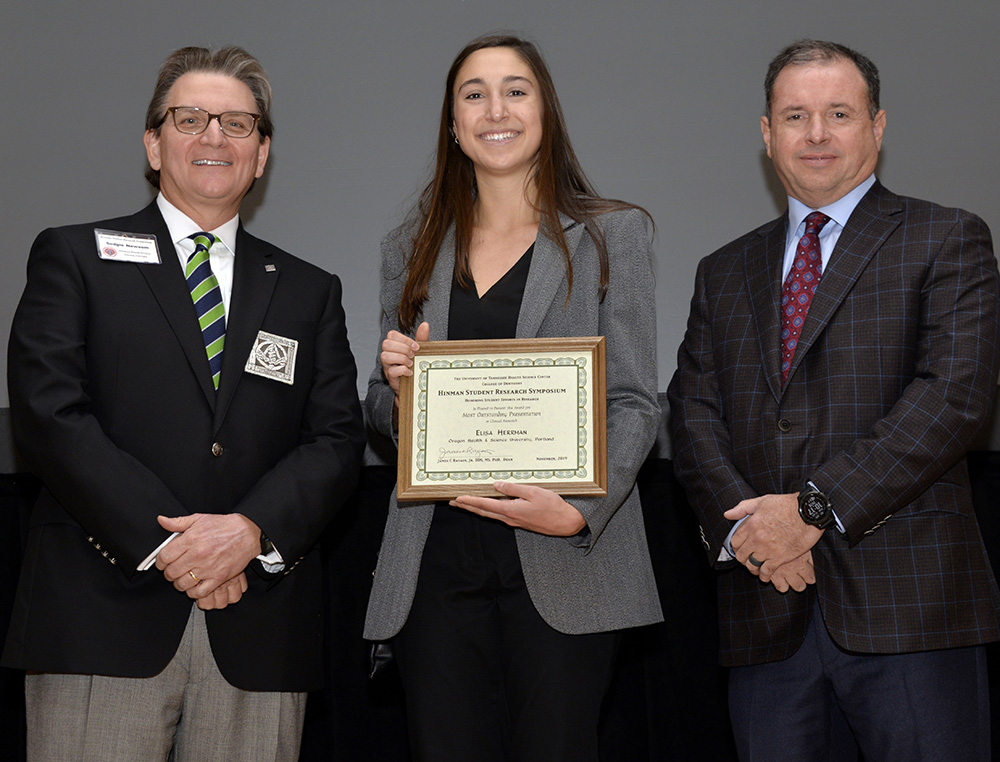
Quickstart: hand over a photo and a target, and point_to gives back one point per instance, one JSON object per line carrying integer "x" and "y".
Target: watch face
{"x": 815, "y": 507}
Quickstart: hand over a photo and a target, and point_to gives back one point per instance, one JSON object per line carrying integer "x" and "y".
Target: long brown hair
{"x": 450, "y": 196}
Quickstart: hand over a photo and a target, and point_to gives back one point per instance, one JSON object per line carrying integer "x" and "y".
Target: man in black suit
{"x": 838, "y": 363}
{"x": 187, "y": 395}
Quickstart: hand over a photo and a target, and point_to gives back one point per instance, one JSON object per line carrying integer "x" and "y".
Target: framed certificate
{"x": 520, "y": 410}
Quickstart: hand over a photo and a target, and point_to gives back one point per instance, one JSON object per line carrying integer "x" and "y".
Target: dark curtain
{"x": 667, "y": 701}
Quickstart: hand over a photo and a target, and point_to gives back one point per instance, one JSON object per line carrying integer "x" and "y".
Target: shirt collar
{"x": 181, "y": 226}
{"x": 839, "y": 211}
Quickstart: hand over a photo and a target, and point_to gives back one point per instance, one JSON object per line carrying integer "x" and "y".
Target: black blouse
{"x": 494, "y": 314}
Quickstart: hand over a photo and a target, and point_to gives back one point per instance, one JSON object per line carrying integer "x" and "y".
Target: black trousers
{"x": 486, "y": 678}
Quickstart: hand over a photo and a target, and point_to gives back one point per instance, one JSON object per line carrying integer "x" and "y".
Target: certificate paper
{"x": 525, "y": 410}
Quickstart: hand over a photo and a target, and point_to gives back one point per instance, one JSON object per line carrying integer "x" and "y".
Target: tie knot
{"x": 202, "y": 240}
{"x": 815, "y": 222}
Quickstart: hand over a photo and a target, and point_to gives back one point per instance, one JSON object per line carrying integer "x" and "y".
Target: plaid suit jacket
{"x": 894, "y": 375}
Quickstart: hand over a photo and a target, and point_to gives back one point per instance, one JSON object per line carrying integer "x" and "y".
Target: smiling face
{"x": 497, "y": 112}
{"x": 820, "y": 134}
{"x": 207, "y": 175}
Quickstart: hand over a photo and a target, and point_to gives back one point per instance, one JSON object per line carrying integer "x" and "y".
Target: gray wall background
{"x": 662, "y": 99}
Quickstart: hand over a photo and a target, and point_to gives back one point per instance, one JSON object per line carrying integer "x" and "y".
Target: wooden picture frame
{"x": 532, "y": 411}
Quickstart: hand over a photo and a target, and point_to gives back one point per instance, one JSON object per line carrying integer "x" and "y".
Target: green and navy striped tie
{"x": 207, "y": 301}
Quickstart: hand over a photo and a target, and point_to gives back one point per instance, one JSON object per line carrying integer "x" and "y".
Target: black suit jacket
{"x": 113, "y": 407}
{"x": 894, "y": 374}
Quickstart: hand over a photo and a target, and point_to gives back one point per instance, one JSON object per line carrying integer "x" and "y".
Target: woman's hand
{"x": 528, "y": 507}
{"x": 397, "y": 355}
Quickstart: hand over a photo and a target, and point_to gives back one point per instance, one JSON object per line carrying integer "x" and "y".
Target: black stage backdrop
{"x": 667, "y": 701}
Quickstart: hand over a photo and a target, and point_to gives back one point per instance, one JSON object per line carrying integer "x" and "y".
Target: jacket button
{"x": 217, "y": 449}
{"x": 784, "y": 424}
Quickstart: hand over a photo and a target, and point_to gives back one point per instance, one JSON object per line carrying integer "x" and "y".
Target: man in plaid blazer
{"x": 833, "y": 495}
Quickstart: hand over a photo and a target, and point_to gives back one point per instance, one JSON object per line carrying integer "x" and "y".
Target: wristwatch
{"x": 266, "y": 546}
{"x": 815, "y": 507}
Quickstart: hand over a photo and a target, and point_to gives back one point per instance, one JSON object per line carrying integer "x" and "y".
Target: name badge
{"x": 127, "y": 247}
{"x": 273, "y": 357}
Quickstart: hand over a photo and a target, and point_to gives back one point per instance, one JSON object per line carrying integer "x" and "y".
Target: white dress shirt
{"x": 221, "y": 259}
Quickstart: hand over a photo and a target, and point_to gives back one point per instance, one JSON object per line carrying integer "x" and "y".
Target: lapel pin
{"x": 270, "y": 268}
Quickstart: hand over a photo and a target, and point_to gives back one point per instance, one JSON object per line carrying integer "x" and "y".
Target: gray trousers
{"x": 187, "y": 712}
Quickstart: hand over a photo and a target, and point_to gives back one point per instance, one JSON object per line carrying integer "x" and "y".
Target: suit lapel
{"x": 871, "y": 222}
{"x": 545, "y": 275}
{"x": 438, "y": 305}
{"x": 763, "y": 270}
{"x": 253, "y": 285}
{"x": 170, "y": 290}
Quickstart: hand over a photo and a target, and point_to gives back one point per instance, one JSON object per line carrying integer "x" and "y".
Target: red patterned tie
{"x": 800, "y": 285}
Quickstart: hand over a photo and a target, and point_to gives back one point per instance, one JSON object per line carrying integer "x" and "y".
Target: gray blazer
{"x": 601, "y": 579}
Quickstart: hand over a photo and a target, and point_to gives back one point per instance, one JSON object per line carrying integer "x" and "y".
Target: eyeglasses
{"x": 194, "y": 121}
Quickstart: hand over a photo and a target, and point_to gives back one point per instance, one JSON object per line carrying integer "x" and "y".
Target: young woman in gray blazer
{"x": 504, "y": 613}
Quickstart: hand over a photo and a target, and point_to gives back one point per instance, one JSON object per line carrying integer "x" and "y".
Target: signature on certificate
{"x": 446, "y": 455}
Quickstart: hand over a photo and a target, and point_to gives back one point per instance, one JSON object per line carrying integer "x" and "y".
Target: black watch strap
{"x": 266, "y": 546}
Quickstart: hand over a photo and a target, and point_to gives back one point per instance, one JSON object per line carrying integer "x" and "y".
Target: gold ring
{"x": 194, "y": 577}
